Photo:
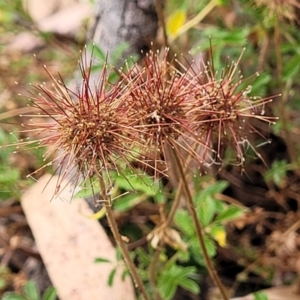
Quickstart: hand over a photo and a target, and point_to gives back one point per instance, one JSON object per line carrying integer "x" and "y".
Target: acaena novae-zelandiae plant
{"x": 156, "y": 116}
{"x": 160, "y": 102}
{"x": 87, "y": 133}
{"x": 224, "y": 114}
{"x": 194, "y": 113}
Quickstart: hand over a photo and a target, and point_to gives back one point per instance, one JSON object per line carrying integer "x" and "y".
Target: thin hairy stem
{"x": 153, "y": 270}
{"x": 159, "y": 249}
{"x": 118, "y": 238}
{"x": 178, "y": 195}
{"x": 167, "y": 222}
{"x": 174, "y": 205}
{"x": 211, "y": 269}
{"x": 161, "y": 17}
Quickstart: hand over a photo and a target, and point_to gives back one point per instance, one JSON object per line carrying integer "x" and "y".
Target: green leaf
{"x": 97, "y": 52}
{"x": 125, "y": 273}
{"x": 206, "y": 209}
{"x": 127, "y": 202}
{"x": 277, "y": 172}
{"x": 118, "y": 52}
{"x": 260, "y": 296}
{"x": 31, "y": 291}
{"x": 102, "y": 260}
{"x": 222, "y": 37}
{"x": 174, "y": 276}
{"x": 133, "y": 182}
{"x": 211, "y": 190}
{"x": 190, "y": 285}
{"x": 206, "y": 204}
{"x": 13, "y": 296}
{"x": 230, "y": 213}
{"x": 143, "y": 257}
{"x": 183, "y": 256}
{"x": 50, "y": 294}
{"x": 196, "y": 252}
{"x": 167, "y": 287}
{"x": 111, "y": 277}
{"x": 210, "y": 246}
{"x": 260, "y": 84}
{"x": 10, "y": 177}
{"x": 91, "y": 188}
{"x": 167, "y": 283}
{"x": 291, "y": 68}
{"x": 184, "y": 222}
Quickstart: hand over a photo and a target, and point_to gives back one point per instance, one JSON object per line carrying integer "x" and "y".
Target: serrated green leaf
{"x": 130, "y": 181}
{"x": 88, "y": 190}
{"x": 277, "y": 172}
{"x": 49, "y": 294}
{"x": 127, "y": 202}
{"x": 210, "y": 246}
{"x": 183, "y": 256}
{"x": 211, "y": 190}
{"x": 184, "y": 222}
{"x": 230, "y": 213}
{"x": 167, "y": 287}
{"x": 206, "y": 209}
{"x": 133, "y": 182}
{"x": 190, "y": 285}
{"x": 183, "y": 272}
{"x": 167, "y": 284}
{"x": 197, "y": 252}
{"x": 143, "y": 257}
{"x": 31, "y": 290}
{"x": 174, "y": 276}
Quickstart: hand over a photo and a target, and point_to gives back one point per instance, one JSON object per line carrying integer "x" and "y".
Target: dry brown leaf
{"x": 69, "y": 242}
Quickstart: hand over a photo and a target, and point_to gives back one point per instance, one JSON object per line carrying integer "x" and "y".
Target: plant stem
{"x": 158, "y": 250}
{"x": 161, "y": 18}
{"x": 118, "y": 238}
{"x": 153, "y": 271}
{"x": 283, "y": 108}
{"x": 211, "y": 269}
{"x": 197, "y": 19}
